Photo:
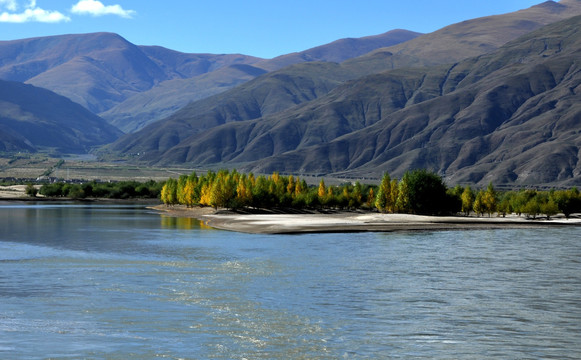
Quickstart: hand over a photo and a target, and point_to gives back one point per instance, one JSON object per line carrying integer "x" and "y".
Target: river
{"x": 93, "y": 281}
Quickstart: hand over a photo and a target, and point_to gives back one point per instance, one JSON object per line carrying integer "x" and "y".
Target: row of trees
{"x": 531, "y": 203}
{"x": 231, "y": 189}
{"x": 417, "y": 192}
{"x": 114, "y": 190}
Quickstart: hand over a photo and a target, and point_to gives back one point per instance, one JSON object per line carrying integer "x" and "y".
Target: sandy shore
{"x": 352, "y": 221}
{"x": 13, "y": 192}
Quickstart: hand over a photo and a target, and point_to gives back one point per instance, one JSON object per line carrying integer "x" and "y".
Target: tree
{"x": 467, "y": 200}
{"x": 290, "y": 188}
{"x": 403, "y": 197}
{"x": 31, "y": 190}
{"x": 260, "y": 193}
{"x": 383, "y": 198}
{"x": 169, "y": 192}
{"x": 244, "y": 192}
{"x": 478, "y": 206}
{"x": 549, "y": 208}
{"x": 427, "y": 192}
{"x": 394, "y": 193}
{"x": 181, "y": 193}
{"x": 322, "y": 191}
{"x": 206, "y": 194}
{"x": 188, "y": 193}
{"x": 568, "y": 201}
{"x": 356, "y": 196}
{"x": 505, "y": 204}
{"x": 370, "y": 198}
{"x": 532, "y": 208}
{"x": 489, "y": 200}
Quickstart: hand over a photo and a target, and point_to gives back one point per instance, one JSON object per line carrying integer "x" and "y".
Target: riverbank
{"x": 315, "y": 222}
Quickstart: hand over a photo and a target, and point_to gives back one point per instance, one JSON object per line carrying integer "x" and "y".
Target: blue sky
{"x": 254, "y": 27}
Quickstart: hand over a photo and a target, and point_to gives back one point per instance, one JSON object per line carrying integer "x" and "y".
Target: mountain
{"x": 32, "y": 118}
{"x": 474, "y": 37}
{"x": 170, "y": 96}
{"x": 510, "y": 116}
{"x": 166, "y": 98}
{"x": 101, "y": 70}
{"x": 115, "y": 78}
{"x": 340, "y": 50}
{"x": 362, "y": 56}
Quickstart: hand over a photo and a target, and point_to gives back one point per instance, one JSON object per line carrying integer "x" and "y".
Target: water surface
{"x": 119, "y": 281}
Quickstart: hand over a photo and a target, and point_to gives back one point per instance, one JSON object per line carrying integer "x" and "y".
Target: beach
{"x": 346, "y": 221}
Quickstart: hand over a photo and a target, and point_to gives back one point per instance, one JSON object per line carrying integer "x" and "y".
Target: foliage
{"x": 418, "y": 192}
{"x": 467, "y": 200}
{"x": 30, "y": 190}
{"x": 114, "y": 190}
{"x": 427, "y": 192}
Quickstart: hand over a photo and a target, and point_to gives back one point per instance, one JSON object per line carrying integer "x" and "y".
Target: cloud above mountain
{"x": 97, "y": 8}
{"x": 13, "y": 11}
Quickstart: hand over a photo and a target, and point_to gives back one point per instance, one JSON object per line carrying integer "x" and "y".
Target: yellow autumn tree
{"x": 322, "y": 191}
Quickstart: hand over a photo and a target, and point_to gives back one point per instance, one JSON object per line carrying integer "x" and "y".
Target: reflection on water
{"x": 172, "y": 222}
{"x": 116, "y": 282}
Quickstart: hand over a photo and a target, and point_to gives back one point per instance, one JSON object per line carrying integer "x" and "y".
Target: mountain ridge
{"x": 33, "y": 118}
{"x": 177, "y": 93}
{"x": 401, "y": 129}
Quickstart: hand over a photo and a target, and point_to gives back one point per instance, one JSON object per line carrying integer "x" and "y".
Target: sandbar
{"x": 352, "y": 221}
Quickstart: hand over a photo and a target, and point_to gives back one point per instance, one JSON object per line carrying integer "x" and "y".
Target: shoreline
{"x": 355, "y": 221}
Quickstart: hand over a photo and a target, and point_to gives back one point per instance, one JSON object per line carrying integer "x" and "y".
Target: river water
{"x": 85, "y": 281}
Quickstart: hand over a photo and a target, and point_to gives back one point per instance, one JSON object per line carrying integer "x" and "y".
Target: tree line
{"x": 113, "y": 190}
{"x": 417, "y": 192}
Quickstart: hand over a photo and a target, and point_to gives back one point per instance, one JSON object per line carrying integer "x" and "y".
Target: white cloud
{"x": 96, "y": 8}
{"x": 10, "y": 5}
{"x": 31, "y": 13}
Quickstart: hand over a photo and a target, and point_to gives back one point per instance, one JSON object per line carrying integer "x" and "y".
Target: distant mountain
{"x": 101, "y": 70}
{"x": 115, "y": 78}
{"x": 32, "y": 118}
{"x": 340, "y": 50}
{"x": 170, "y": 96}
{"x": 163, "y": 100}
{"x": 510, "y": 116}
{"x": 471, "y": 37}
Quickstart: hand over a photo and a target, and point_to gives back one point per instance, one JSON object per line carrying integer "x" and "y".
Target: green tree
{"x": 356, "y": 197}
{"x": 505, "y": 203}
{"x": 394, "y": 193}
{"x": 403, "y": 196}
{"x": 549, "y": 208}
{"x": 427, "y": 192}
{"x": 52, "y": 190}
{"x": 532, "y": 208}
{"x": 31, "y": 190}
{"x": 478, "y": 206}
{"x": 383, "y": 197}
{"x": 568, "y": 201}
{"x": 489, "y": 200}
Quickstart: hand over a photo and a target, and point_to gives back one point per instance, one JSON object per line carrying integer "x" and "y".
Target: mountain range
{"x": 487, "y": 99}
{"x": 358, "y": 118}
{"x": 115, "y": 78}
